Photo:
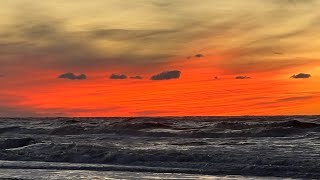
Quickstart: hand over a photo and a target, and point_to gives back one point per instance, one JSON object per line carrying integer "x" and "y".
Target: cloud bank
{"x": 59, "y": 40}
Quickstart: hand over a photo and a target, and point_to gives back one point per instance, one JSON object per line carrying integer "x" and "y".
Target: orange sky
{"x": 195, "y": 93}
{"x": 150, "y": 37}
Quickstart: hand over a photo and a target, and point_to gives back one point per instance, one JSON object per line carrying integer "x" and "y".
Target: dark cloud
{"x": 41, "y": 30}
{"x": 48, "y": 40}
{"x": 278, "y": 53}
{"x": 135, "y": 77}
{"x": 72, "y": 76}
{"x": 242, "y": 77}
{"x": 301, "y": 76}
{"x": 118, "y": 76}
{"x": 166, "y": 75}
{"x": 1, "y": 75}
{"x": 49, "y": 43}
{"x": 199, "y": 55}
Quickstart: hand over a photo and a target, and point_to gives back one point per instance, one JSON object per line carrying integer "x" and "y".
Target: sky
{"x": 159, "y": 57}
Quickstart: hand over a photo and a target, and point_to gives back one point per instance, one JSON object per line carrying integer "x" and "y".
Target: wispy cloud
{"x": 297, "y": 98}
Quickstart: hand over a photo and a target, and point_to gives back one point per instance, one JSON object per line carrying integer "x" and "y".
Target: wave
{"x": 15, "y": 143}
{"x": 266, "y": 146}
{"x": 161, "y": 161}
{"x": 168, "y": 127}
{"x": 296, "y": 124}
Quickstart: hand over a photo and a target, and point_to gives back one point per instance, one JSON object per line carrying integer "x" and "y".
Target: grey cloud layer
{"x": 161, "y": 31}
{"x": 39, "y": 37}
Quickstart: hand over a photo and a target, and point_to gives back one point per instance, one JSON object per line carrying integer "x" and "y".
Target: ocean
{"x": 273, "y": 147}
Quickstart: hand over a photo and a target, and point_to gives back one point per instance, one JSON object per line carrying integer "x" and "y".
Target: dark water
{"x": 246, "y": 146}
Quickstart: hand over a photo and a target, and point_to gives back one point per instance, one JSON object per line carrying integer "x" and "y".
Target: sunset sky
{"x": 102, "y": 57}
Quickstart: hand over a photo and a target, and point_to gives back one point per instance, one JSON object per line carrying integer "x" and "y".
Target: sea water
{"x": 160, "y": 148}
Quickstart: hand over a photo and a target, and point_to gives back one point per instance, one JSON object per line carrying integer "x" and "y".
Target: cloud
{"x": 298, "y": 98}
{"x": 294, "y": 2}
{"x": 301, "y": 76}
{"x": 125, "y": 34}
{"x": 242, "y": 77}
{"x": 1, "y": 75}
{"x": 118, "y": 76}
{"x": 199, "y": 55}
{"x": 72, "y": 76}
{"x": 284, "y": 100}
{"x": 166, "y": 75}
{"x": 36, "y": 34}
{"x": 278, "y": 53}
{"x": 135, "y": 77}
